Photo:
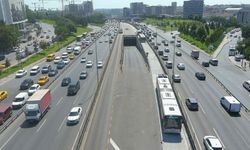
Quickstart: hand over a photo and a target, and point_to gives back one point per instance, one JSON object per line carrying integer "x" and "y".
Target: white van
{"x": 20, "y": 100}
{"x": 231, "y": 104}
{"x": 34, "y": 70}
{"x": 169, "y": 64}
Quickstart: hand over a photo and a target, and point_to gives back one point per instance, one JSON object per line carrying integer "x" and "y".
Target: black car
{"x": 90, "y": 52}
{"x": 83, "y": 75}
{"x": 192, "y": 104}
{"x": 200, "y": 75}
{"x": 60, "y": 65}
{"x": 66, "y": 81}
{"x": 205, "y": 63}
{"x": 52, "y": 72}
{"x": 178, "y": 53}
{"x": 46, "y": 69}
{"x": 26, "y": 84}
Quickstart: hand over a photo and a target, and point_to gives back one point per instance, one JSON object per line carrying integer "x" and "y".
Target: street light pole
{"x": 173, "y": 60}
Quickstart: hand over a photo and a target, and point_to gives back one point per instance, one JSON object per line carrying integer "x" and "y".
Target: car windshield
{"x": 33, "y": 69}
{"x": 73, "y": 114}
{"x": 20, "y": 71}
{"x": 18, "y": 99}
{"x": 31, "y": 113}
{"x": 33, "y": 87}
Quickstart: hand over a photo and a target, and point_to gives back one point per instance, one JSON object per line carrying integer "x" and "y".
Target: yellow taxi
{"x": 51, "y": 57}
{"x": 3, "y": 95}
{"x": 71, "y": 56}
{"x": 43, "y": 80}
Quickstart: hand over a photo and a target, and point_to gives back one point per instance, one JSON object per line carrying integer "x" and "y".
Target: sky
{"x": 55, "y": 4}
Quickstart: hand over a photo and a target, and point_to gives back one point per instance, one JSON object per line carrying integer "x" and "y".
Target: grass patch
{"x": 48, "y": 21}
{"x": 51, "y": 49}
{"x": 97, "y": 24}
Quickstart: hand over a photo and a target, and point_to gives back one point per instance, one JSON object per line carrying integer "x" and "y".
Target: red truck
{"x": 37, "y": 105}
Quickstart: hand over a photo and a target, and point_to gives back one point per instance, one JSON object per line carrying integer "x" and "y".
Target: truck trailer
{"x": 37, "y": 105}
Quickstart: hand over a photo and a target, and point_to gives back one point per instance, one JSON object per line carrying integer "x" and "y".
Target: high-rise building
{"x": 193, "y": 8}
{"x": 13, "y": 12}
{"x": 243, "y": 16}
{"x": 174, "y": 7}
{"x": 137, "y": 8}
{"x": 88, "y": 7}
{"x": 126, "y": 12}
{"x": 84, "y": 9}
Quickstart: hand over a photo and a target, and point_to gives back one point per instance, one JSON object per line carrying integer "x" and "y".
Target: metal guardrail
{"x": 91, "y": 106}
{"x": 20, "y": 111}
{"x": 185, "y": 122}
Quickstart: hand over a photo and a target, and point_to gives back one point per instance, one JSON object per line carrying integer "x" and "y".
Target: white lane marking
{"x": 113, "y": 144}
{"x": 61, "y": 125}
{"x": 10, "y": 138}
{"x": 202, "y": 109}
{"x": 55, "y": 88}
{"x": 41, "y": 126}
{"x": 73, "y": 146}
{"x": 59, "y": 100}
{"x": 76, "y": 99}
{"x": 219, "y": 138}
{"x": 245, "y": 116}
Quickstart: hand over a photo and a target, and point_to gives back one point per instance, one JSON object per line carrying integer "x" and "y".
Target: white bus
{"x": 171, "y": 117}
{"x": 142, "y": 37}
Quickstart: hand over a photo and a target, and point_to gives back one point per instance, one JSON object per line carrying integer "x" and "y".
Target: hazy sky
{"x": 125, "y": 3}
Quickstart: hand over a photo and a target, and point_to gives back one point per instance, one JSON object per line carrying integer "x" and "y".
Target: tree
{"x": 64, "y": 27}
{"x": 246, "y": 31}
{"x": 201, "y": 33}
{"x": 8, "y": 37}
{"x": 7, "y": 62}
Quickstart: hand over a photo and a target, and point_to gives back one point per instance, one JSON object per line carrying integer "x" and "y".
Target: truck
{"x": 195, "y": 54}
{"x": 37, "y": 105}
{"x": 231, "y": 104}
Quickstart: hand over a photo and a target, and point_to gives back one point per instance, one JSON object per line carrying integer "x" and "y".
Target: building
{"x": 193, "y": 8}
{"x": 137, "y": 9}
{"x": 84, "y": 9}
{"x": 243, "y": 16}
{"x": 13, "y": 12}
{"x": 126, "y": 12}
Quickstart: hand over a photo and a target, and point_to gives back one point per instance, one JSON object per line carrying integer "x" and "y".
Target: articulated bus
{"x": 171, "y": 117}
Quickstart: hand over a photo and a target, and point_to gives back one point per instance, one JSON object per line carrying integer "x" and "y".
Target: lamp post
{"x": 173, "y": 60}
{"x": 96, "y": 58}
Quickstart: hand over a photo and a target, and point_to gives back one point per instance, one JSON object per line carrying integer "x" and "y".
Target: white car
{"x": 99, "y": 64}
{"x": 21, "y": 73}
{"x": 181, "y": 66}
{"x": 34, "y": 70}
{"x": 33, "y": 89}
{"x": 83, "y": 59}
{"x": 66, "y": 61}
{"x": 57, "y": 59}
{"x": 89, "y": 64}
{"x": 74, "y": 115}
{"x": 212, "y": 143}
{"x": 64, "y": 55}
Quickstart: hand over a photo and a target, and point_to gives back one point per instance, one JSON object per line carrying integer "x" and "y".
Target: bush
{"x": 7, "y": 63}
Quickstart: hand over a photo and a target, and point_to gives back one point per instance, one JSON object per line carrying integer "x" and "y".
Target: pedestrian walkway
{"x": 222, "y": 44}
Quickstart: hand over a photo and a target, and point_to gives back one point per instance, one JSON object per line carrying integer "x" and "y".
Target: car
{"x": 60, "y": 65}
{"x": 3, "y": 95}
{"x": 205, "y": 63}
{"x": 83, "y": 59}
{"x": 74, "y": 115}
{"x": 26, "y": 84}
{"x": 171, "y": 41}
{"x": 20, "y": 100}
{"x": 46, "y": 68}
{"x": 156, "y": 47}
{"x": 52, "y": 72}
{"x": 176, "y": 78}
{"x": 181, "y": 66}
{"x": 178, "y": 53}
{"x": 66, "y": 61}
{"x": 71, "y": 56}
{"x": 34, "y": 70}
{"x": 66, "y": 81}
{"x": 200, "y": 75}
{"x": 83, "y": 75}
{"x": 57, "y": 59}
{"x": 69, "y": 50}
{"x": 90, "y": 52}
{"x": 212, "y": 143}
{"x": 89, "y": 64}
{"x": 192, "y": 104}
{"x": 43, "y": 80}
{"x": 99, "y": 64}
{"x": 166, "y": 50}
{"x": 214, "y": 62}
{"x": 165, "y": 44}
{"x": 50, "y": 57}
{"x": 33, "y": 89}
{"x": 178, "y": 45}
{"x": 21, "y": 73}
{"x": 64, "y": 55}
{"x": 246, "y": 85}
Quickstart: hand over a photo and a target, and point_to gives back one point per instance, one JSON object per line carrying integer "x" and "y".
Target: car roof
{"x": 215, "y": 143}
{"x": 35, "y": 85}
{"x": 4, "y": 107}
{"x": 192, "y": 100}
{"x": 21, "y": 94}
{"x": 75, "y": 109}
{"x": 35, "y": 67}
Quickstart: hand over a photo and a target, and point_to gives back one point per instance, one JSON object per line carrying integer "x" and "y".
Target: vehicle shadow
{"x": 27, "y": 124}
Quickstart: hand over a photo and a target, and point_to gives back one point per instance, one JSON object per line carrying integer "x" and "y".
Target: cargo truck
{"x": 195, "y": 54}
{"x": 37, "y": 105}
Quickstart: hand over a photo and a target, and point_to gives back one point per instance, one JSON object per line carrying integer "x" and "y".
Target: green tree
{"x": 246, "y": 31}
{"x": 7, "y": 62}
{"x": 8, "y": 37}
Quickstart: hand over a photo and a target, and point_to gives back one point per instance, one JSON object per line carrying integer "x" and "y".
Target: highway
{"x": 126, "y": 115}
{"x": 211, "y": 119}
{"x": 52, "y": 132}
